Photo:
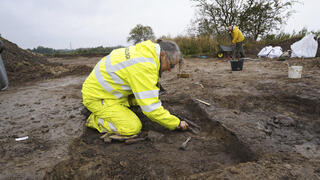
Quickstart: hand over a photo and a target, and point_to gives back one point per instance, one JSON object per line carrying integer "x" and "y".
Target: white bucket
{"x": 295, "y": 72}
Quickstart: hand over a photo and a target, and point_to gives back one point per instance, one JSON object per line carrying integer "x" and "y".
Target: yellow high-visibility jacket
{"x": 236, "y": 35}
{"x": 126, "y": 71}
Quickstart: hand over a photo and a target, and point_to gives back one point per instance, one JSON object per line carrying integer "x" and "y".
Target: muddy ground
{"x": 259, "y": 125}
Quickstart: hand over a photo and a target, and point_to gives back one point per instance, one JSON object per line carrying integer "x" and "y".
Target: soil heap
{"x": 25, "y": 66}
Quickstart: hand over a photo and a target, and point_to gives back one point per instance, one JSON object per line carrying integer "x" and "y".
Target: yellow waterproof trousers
{"x": 112, "y": 118}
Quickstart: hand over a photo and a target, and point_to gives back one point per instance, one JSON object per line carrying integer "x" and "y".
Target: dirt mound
{"x": 24, "y": 66}
{"x": 252, "y": 48}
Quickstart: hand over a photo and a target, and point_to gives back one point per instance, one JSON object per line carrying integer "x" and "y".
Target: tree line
{"x": 255, "y": 18}
{"x": 100, "y": 50}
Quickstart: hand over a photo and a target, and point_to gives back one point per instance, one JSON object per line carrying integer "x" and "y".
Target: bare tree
{"x": 254, "y": 17}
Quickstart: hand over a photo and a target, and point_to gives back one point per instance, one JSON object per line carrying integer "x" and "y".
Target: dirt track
{"x": 260, "y": 125}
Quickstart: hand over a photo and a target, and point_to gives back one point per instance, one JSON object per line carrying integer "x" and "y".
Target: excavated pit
{"x": 158, "y": 158}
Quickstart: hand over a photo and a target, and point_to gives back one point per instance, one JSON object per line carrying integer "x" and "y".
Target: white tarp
{"x": 306, "y": 47}
{"x": 270, "y": 52}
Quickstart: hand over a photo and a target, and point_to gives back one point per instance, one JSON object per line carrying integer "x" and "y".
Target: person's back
{"x": 116, "y": 74}
{"x": 236, "y": 35}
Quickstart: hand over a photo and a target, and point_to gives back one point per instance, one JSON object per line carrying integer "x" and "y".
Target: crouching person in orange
{"x": 134, "y": 70}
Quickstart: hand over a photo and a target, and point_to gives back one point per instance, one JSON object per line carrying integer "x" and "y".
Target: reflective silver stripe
{"x": 151, "y": 107}
{"x": 111, "y": 69}
{"x": 126, "y": 88}
{"x": 117, "y": 94}
{"x": 112, "y": 127}
{"x": 116, "y": 79}
{"x": 104, "y": 83}
{"x": 146, "y": 94}
{"x": 157, "y": 47}
{"x": 100, "y": 78}
{"x": 125, "y": 64}
{"x": 102, "y": 102}
{"x": 100, "y": 121}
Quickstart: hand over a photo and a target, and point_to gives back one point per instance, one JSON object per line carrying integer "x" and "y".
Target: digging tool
{"x": 184, "y": 144}
{"x": 194, "y": 131}
{"x": 193, "y": 127}
{"x": 192, "y": 123}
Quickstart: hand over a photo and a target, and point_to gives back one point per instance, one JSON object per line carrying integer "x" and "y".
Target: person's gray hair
{"x": 171, "y": 49}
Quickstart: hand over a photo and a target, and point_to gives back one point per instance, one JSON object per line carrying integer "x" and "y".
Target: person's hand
{"x": 183, "y": 125}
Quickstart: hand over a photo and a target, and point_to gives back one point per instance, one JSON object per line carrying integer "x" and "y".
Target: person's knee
{"x": 131, "y": 128}
{"x": 136, "y": 128}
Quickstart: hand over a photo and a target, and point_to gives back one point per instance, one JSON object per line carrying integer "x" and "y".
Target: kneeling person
{"x": 134, "y": 70}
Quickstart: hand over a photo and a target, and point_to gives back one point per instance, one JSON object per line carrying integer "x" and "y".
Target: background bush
{"x": 192, "y": 46}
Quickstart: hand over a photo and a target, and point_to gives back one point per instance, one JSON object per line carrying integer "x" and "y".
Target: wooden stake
{"x": 208, "y": 104}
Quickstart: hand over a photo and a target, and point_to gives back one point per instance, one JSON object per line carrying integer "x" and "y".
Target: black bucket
{"x": 236, "y": 65}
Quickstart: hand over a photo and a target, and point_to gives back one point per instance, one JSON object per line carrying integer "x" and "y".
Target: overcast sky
{"x": 91, "y": 23}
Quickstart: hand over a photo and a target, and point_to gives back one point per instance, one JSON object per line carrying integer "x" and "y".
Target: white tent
{"x": 270, "y": 52}
{"x": 307, "y": 47}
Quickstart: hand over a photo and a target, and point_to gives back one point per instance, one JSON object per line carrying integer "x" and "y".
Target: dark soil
{"x": 159, "y": 158}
